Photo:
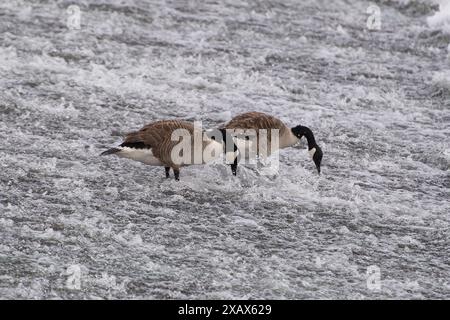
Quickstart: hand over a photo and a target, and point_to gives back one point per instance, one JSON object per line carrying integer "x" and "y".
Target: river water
{"x": 374, "y": 225}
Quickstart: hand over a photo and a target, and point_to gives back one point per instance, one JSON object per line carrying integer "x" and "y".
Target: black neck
{"x": 300, "y": 131}
{"x": 228, "y": 142}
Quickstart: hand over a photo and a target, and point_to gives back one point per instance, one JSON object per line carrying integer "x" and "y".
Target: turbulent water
{"x": 375, "y": 224}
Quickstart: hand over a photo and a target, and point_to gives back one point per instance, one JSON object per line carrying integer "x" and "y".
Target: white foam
{"x": 442, "y": 79}
{"x": 441, "y": 19}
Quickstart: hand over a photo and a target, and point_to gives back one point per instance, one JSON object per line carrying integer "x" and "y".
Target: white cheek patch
{"x": 312, "y": 152}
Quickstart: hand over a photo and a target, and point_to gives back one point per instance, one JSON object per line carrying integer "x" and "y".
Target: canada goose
{"x": 287, "y": 136}
{"x": 154, "y": 145}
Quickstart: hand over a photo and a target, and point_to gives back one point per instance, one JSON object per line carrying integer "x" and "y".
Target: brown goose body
{"x": 255, "y": 120}
{"x": 157, "y": 137}
{"x": 258, "y": 121}
{"x": 153, "y": 144}
{"x": 287, "y": 136}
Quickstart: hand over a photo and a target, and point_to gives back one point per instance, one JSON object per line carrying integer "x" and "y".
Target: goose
{"x": 287, "y": 136}
{"x": 154, "y": 145}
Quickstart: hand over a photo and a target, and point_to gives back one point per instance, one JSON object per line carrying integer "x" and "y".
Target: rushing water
{"x": 76, "y": 225}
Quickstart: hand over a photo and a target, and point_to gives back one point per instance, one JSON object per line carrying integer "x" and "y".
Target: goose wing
{"x": 256, "y": 120}
{"x": 157, "y": 136}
